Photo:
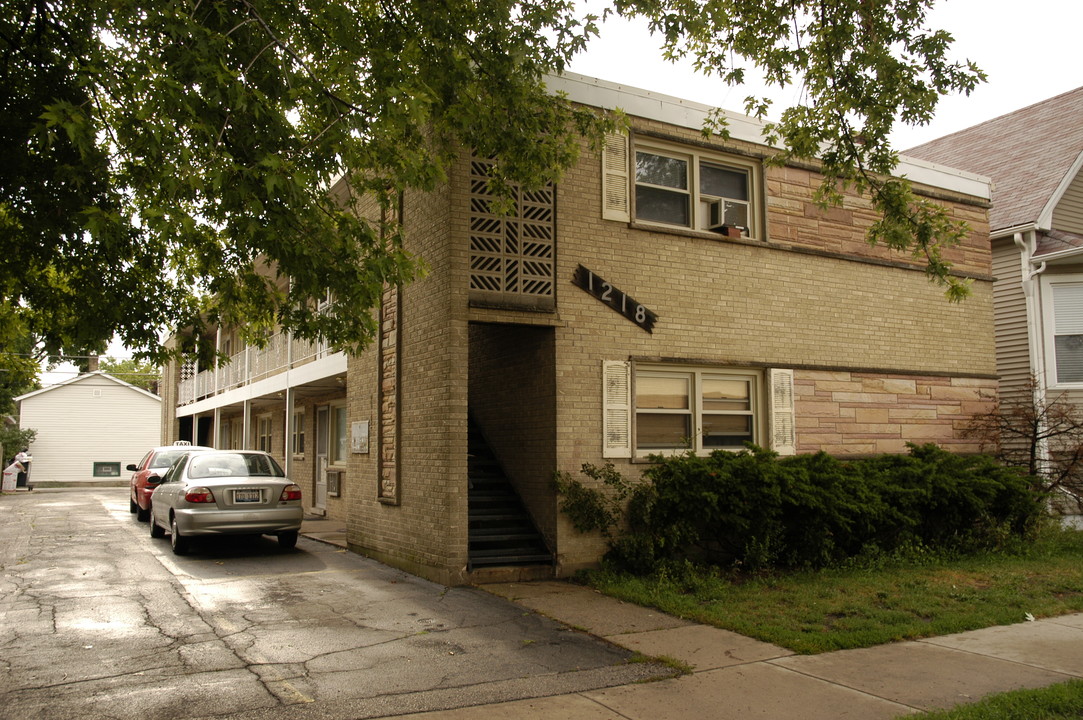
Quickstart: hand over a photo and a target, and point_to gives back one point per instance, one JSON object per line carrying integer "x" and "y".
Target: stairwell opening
{"x": 512, "y": 445}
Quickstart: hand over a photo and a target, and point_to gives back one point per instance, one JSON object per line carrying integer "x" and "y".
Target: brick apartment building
{"x": 671, "y": 292}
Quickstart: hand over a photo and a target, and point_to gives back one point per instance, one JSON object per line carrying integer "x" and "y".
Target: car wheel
{"x": 142, "y": 515}
{"x": 178, "y": 541}
{"x": 133, "y": 507}
{"x": 287, "y": 540}
{"x": 156, "y": 530}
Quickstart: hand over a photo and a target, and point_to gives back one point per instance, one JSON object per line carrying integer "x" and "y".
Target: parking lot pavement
{"x": 99, "y": 620}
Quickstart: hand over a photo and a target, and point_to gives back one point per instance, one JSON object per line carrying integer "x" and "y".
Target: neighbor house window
{"x": 694, "y": 189}
{"x": 297, "y": 444}
{"x": 695, "y": 409}
{"x": 1065, "y": 302}
{"x": 263, "y": 433}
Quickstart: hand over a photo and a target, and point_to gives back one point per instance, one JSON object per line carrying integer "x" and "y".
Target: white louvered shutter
{"x": 617, "y": 409}
{"x": 615, "y": 178}
{"x": 783, "y": 434}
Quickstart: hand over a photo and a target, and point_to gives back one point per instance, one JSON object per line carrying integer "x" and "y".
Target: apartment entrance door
{"x": 323, "y": 413}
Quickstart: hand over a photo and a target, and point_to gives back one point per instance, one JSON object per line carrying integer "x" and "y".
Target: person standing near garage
{"x": 23, "y": 458}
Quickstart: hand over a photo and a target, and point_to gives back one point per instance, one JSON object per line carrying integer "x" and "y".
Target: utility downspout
{"x": 1027, "y": 244}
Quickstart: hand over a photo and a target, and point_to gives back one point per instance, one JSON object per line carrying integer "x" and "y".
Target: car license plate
{"x": 246, "y": 496}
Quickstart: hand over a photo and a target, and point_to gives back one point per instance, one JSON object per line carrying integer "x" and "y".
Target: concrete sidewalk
{"x": 332, "y": 532}
{"x": 734, "y": 677}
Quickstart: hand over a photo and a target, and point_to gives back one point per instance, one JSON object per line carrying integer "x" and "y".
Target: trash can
{"x": 11, "y": 474}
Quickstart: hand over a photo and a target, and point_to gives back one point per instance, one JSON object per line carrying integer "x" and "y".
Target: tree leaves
{"x": 169, "y": 162}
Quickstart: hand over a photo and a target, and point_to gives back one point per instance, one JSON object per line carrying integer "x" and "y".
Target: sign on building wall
{"x": 359, "y": 436}
{"x": 615, "y": 298}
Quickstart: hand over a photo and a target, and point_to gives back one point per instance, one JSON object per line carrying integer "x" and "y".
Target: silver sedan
{"x": 225, "y": 492}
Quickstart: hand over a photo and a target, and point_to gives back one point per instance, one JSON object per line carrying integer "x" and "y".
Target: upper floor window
{"x": 684, "y": 187}
{"x": 692, "y": 191}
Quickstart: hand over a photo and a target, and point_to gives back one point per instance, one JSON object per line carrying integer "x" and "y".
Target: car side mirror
{"x": 132, "y": 467}
{"x": 154, "y": 479}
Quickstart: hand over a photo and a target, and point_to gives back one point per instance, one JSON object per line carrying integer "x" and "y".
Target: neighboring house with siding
{"x": 1033, "y": 157}
{"x": 89, "y": 428}
{"x": 671, "y": 292}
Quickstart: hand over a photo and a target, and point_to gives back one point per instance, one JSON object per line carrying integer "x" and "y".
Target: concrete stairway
{"x": 501, "y": 531}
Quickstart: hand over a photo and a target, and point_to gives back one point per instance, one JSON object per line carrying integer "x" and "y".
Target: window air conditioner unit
{"x": 716, "y": 219}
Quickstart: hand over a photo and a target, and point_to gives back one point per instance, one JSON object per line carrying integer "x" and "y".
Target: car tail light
{"x": 290, "y": 492}
{"x": 199, "y": 495}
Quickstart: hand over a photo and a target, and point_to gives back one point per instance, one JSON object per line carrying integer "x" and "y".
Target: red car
{"x": 156, "y": 462}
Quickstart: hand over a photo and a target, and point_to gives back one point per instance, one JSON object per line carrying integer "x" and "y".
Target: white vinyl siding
{"x": 1010, "y": 319}
{"x": 94, "y": 418}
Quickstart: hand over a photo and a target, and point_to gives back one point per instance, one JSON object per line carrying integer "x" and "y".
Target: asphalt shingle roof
{"x": 1027, "y": 153}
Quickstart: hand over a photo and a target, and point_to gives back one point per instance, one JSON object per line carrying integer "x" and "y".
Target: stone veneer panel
{"x": 848, "y": 413}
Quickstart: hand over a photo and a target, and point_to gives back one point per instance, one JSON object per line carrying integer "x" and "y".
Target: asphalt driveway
{"x": 97, "y": 620}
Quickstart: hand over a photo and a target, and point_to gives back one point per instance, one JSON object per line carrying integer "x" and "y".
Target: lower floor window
{"x": 263, "y": 436}
{"x": 297, "y": 445}
{"x": 693, "y": 409}
{"x": 339, "y": 437}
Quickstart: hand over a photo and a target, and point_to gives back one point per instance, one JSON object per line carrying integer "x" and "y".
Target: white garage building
{"x": 89, "y": 428}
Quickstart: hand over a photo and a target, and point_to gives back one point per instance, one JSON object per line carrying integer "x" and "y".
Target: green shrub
{"x": 754, "y": 510}
{"x": 591, "y": 508}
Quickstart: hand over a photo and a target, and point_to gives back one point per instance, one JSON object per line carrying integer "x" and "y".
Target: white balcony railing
{"x": 281, "y": 353}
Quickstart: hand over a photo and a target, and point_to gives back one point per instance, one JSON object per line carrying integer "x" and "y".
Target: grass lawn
{"x": 1057, "y": 702}
{"x": 839, "y": 608}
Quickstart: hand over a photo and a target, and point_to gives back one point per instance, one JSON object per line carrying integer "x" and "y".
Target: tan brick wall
{"x": 848, "y": 413}
{"x": 426, "y": 531}
{"x": 742, "y": 304}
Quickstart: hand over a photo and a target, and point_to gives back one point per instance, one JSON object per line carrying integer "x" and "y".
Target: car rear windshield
{"x": 165, "y": 459}
{"x": 234, "y": 465}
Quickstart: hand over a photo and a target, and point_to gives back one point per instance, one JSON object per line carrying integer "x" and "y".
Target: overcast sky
{"x": 1030, "y": 49}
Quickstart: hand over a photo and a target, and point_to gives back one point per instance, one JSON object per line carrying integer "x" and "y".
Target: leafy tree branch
{"x": 168, "y": 163}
